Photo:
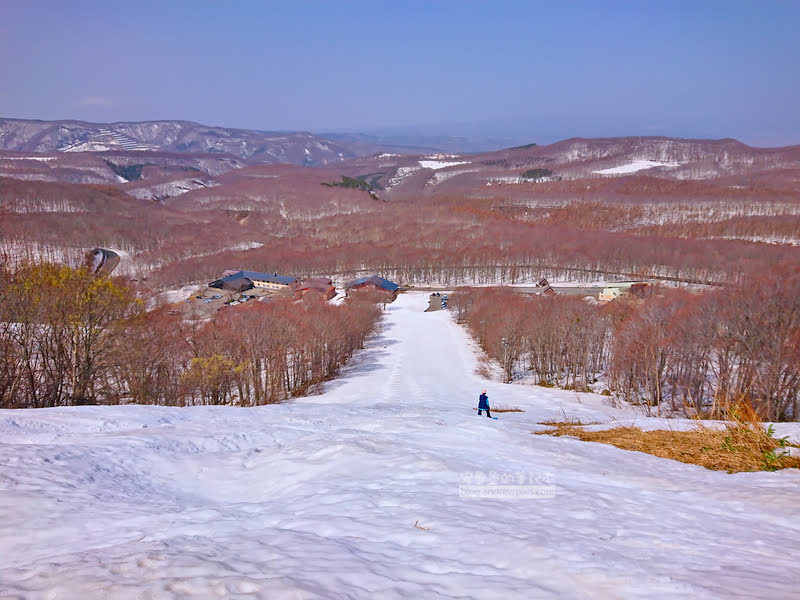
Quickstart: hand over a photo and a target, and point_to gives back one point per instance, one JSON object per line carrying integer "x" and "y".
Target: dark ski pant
{"x": 487, "y": 412}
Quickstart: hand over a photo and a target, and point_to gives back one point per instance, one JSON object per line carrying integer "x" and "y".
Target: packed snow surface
{"x": 361, "y": 492}
{"x": 637, "y": 165}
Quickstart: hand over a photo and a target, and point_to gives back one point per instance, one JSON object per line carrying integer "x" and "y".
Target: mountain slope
{"x": 255, "y": 147}
{"x": 355, "y": 494}
{"x": 522, "y": 170}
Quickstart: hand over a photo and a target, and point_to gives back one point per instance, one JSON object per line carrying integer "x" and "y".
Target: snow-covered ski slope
{"x": 319, "y": 498}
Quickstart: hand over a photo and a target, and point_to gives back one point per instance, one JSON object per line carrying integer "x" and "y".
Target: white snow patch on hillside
{"x": 637, "y": 165}
{"x": 504, "y": 180}
{"x": 364, "y": 492}
{"x": 438, "y": 164}
{"x": 170, "y": 189}
{"x": 90, "y": 147}
{"x": 30, "y": 176}
{"x": 401, "y": 174}
{"x": 245, "y": 246}
{"x": 39, "y": 158}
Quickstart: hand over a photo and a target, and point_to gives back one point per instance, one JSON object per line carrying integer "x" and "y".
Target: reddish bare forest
{"x": 720, "y": 213}
{"x": 68, "y": 337}
{"x": 452, "y": 240}
{"x": 695, "y": 352}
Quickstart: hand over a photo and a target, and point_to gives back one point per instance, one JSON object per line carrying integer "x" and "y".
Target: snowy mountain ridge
{"x": 255, "y": 147}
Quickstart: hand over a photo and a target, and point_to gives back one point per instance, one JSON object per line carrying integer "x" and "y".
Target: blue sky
{"x": 536, "y": 69}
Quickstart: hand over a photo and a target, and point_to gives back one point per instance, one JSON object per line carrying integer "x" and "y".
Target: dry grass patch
{"x": 504, "y": 409}
{"x": 737, "y": 448}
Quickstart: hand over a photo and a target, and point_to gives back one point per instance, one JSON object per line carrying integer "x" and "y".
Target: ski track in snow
{"x": 318, "y": 497}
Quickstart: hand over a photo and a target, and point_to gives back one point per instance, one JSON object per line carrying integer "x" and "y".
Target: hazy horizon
{"x": 515, "y": 71}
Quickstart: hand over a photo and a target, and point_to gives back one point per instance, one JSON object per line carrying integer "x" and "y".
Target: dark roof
{"x": 380, "y": 282}
{"x": 232, "y": 282}
{"x": 236, "y": 284}
{"x": 253, "y": 276}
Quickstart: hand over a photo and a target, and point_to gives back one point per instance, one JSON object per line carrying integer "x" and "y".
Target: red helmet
{"x": 483, "y": 392}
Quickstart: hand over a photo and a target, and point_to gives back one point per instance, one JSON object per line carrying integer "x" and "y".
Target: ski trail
{"x": 355, "y": 493}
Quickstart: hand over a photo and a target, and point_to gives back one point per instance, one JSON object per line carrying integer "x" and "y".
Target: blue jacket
{"x": 483, "y": 402}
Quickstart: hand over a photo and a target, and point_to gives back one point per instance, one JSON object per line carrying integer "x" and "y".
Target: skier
{"x": 483, "y": 404}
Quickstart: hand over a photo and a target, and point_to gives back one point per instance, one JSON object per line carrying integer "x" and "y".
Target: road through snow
{"x": 355, "y": 494}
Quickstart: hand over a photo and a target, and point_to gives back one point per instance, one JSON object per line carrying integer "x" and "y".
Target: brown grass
{"x": 504, "y": 409}
{"x": 566, "y": 422}
{"x": 737, "y": 448}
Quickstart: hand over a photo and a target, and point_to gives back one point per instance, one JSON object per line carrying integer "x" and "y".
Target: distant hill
{"x": 727, "y": 165}
{"x": 699, "y": 210}
{"x": 254, "y": 147}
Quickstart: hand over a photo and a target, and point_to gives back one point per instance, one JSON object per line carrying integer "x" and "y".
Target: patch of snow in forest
{"x": 245, "y": 246}
{"x": 30, "y": 176}
{"x": 170, "y": 189}
{"x": 440, "y": 176}
{"x": 637, "y": 165}
{"x": 707, "y": 212}
{"x": 39, "y": 158}
{"x": 17, "y": 251}
{"x": 216, "y": 167}
{"x": 437, "y": 164}
{"x": 35, "y": 205}
{"x": 90, "y": 147}
{"x": 152, "y": 263}
{"x": 504, "y": 180}
{"x": 401, "y": 174}
{"x": 764, "y": 239}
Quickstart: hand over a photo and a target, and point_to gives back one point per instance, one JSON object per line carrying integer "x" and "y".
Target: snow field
{"x": 317, "y": 498}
